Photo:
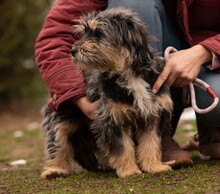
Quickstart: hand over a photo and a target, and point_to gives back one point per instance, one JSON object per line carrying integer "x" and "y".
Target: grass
{"x": 203, "y": 177}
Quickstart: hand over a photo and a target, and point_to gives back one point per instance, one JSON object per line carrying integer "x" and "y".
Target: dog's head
{"x": 111, "y": 40}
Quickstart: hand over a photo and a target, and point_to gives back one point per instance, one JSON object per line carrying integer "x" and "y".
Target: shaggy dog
{"x": 120, "y": 70}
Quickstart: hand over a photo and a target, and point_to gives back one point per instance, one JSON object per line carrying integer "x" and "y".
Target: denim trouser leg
{"x": 153, "y": 14}
{"x": 204, "y": 100}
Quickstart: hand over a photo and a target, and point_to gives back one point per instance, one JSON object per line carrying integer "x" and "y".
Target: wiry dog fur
{"x": 120, "y": 70}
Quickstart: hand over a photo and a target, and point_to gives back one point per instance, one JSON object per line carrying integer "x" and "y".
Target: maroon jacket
{"x": 55, "y": 40}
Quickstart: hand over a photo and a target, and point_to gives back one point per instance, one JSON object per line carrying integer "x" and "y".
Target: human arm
{"x": 213, "y": 44}
{"x": 183, "y": 66}
{"x": 199, "y": 24}
{"x": 64, "y": 81}
{"x": 87, "y": 107}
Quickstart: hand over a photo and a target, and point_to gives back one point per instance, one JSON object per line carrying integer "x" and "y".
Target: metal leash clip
{"x": 198, "y": 82}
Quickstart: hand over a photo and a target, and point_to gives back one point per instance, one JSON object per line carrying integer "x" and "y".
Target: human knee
{"x": 204, "y": 100}
{"x": 211, "y": 118}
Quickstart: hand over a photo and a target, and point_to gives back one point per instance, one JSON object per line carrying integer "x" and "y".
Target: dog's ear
{"x": 133, "y": 35}
{"x": 85, "y": 22}
{"x": 132, "y": 29}
{"x": 135, "y": 32}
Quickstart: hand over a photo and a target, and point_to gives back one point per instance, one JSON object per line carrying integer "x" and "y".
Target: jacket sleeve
{"x": 52, "y": 51}
{"x": 213, "y": 44}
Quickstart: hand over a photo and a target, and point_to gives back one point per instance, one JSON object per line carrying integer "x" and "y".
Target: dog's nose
{"x": 73, "y": 51}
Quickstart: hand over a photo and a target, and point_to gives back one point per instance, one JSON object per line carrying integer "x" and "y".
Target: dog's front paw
{"x": 77, "y": 168}
{"x": 128, "y": 172}
{"x": 52, "y": 173}
{"x": 157, "y": 168}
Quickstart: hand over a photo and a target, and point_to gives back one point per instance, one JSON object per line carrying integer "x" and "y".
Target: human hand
{"x": 183, "y": 67}
{"x": 87, "y": 107}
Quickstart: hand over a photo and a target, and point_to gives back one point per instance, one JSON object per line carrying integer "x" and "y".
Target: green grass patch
{"x": 203, "y": 177}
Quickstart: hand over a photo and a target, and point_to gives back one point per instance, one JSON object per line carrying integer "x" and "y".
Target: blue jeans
{"x": 153, "y": 14}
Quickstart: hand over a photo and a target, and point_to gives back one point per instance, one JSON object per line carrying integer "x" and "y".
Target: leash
{"x": 198, "y": 82}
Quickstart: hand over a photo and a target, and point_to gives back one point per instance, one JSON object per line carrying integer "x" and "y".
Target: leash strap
{"x": 198, "y": 82}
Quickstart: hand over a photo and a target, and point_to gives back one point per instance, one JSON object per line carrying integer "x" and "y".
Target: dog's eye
{"x": 98, "y": 34}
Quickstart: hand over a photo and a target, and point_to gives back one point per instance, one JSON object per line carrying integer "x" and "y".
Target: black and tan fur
{"x": 120, "y": 70}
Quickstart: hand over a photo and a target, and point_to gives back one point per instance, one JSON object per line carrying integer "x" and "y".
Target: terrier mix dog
{"x": 120, "y": 70}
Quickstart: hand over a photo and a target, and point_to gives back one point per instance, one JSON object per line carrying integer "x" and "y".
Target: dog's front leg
{"x": 125, "y": 162}
{"x": 149, "y": 149}
{"x": 116, "y": 144}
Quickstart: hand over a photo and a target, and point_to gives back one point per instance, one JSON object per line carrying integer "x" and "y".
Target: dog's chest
{"x": 134, "y": 92}
{"x": 113, "y": 88}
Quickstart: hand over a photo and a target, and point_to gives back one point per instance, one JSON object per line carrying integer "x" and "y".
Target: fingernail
{"x": 154, "y": 91}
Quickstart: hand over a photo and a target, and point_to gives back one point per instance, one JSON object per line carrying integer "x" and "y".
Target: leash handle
{"x": 198, "y": 82}
{"x": 209, "y": 90}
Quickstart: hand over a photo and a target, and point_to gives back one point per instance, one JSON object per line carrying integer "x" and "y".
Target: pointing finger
{"x": 161, "y": 79}
{"x": 171, "y": 79}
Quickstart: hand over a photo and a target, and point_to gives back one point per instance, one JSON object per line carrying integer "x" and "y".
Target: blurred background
{"x": 20, "y": 82}
{"x": 22, "y": 91}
